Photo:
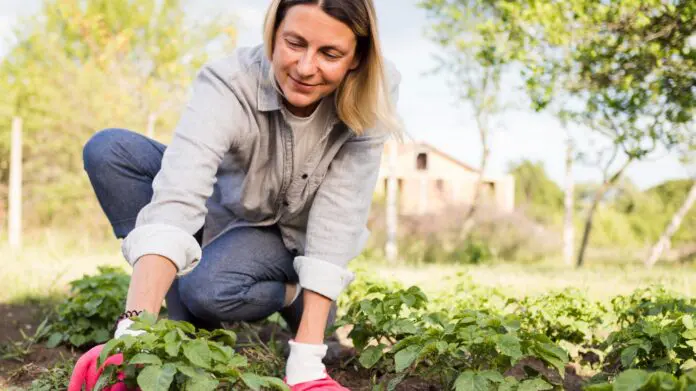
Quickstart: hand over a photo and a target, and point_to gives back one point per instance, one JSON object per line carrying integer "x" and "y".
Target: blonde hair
{"x": 363, "y": 99}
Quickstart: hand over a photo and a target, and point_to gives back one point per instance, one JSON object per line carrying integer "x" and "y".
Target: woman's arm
{"x": 162, "y": 242}
{"x": 152, "y": 276}
{"x": 314, "y": 318}
{"x": 336, "y": 230}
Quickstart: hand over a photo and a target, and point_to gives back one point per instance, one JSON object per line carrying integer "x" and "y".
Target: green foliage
{"x": 56, "y": 378}
{"x": 657, "y": 332}
{"x": 467, "y": 295}
{"x": 567, "y": 315}
{"x": 80, "y": 66}
{"x": 641, "y": 380}
{"x": 394, "y": 333}
{"x": 650, "y": 301}
{"x": 442, "y": 248}
{"x": 173, "y": 355}
{"x": 541, "y": 197}
{"x": 88, "y": 316}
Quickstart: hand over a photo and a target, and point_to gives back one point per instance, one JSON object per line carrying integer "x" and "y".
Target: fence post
{"x": 15, "y": 190}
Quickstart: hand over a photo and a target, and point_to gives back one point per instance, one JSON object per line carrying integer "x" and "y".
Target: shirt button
{"x": 286, "y": 203}
{"x": 304, "y": 176}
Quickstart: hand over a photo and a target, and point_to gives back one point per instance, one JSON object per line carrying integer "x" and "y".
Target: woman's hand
{"x": 305, "y": 369}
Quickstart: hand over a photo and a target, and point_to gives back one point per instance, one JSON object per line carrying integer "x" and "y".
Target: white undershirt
{"x": 307, "y": 131}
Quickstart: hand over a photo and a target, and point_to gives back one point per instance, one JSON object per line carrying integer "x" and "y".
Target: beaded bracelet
{"x": 127, "y": 315}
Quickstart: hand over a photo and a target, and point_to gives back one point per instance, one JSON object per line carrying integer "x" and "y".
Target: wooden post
{"x": 15, "y": 190}
{"x": 391, "y": 248}
{"x": 151, "y": 119}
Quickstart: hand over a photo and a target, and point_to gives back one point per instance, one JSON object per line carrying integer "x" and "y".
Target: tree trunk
{"x": 469, "y": 221}
{"x": 15, "y": 190}
{"x": 599, "y": 195}
{"x": 568, "y": 229}
{"x": 672, "y": 228}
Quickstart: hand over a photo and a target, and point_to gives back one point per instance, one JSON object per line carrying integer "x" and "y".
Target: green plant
{"x": 17, "y": 350}
{"x": 650, "y": 301}
{"x": 665, "y": 343}
{"x": 394, "y": 333}
{"x": 566, "y": 315}
{"x": 87, "y": 317}
{"x": 641, "y": 380}
{"x": 173, "y": 355}
{"x": 56, "y": 378}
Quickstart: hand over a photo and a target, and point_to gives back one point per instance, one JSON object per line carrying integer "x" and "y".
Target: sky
{"x": 426, "y": 104}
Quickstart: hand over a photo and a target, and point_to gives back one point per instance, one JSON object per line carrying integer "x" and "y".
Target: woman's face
{"x": 313, "y": 53}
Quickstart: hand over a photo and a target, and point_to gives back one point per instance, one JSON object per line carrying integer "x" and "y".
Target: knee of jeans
{"x": 99, "y": 148}
{"x": 215, "y": 301}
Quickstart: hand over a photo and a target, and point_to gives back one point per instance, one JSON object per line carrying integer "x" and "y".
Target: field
{"x": 498, "y": 326}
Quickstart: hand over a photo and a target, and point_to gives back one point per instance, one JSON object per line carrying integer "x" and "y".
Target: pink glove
{"x": 86, "y": 372}
{"x": 305, "y": 370}
{"x": 325, "y": 384}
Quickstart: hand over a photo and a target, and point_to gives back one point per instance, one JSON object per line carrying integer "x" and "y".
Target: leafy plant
{"x": 56, "y": 378}
{"x": 394, "y": 333}
{"x": 665, "y": 343}
{"x": 567, "y": 315}
{"x": 650, "y": 301}
{"x": 641, "y": 380}
{"x": 173, "y": 355}
{"x": 87, "y": 317}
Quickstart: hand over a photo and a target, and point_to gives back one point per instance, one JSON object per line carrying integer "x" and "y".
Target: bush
{"x": 88, "y": 316}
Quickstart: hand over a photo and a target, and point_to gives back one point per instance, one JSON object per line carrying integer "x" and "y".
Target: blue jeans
{"x": 241, "y": 275}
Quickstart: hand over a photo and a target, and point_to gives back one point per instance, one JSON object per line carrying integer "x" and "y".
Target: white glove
{"x": 123, "y": 328}
{"x": 305, "y": 363}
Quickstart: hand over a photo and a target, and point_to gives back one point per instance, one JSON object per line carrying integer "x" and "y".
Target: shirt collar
{"x": 268, "y": 98}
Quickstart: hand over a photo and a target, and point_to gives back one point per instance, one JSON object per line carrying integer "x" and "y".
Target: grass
{"x": 54, "y": 258}
{"x": 49, "y": 260}
{"x": 599, "y": 281}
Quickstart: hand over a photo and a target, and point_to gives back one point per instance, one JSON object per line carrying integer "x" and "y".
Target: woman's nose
{"x": 306, "y": 66}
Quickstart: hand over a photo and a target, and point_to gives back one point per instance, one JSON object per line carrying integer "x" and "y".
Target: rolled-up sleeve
{"x": 337, "y": 226}
{"x": 207, "y": 129}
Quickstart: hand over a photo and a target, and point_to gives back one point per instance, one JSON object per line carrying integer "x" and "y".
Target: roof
{"x": 445, "y": 155}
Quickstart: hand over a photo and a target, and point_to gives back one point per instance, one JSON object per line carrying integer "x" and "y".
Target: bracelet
{"x": 127, "y": 315}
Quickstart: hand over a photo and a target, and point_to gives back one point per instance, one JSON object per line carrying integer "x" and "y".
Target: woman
{"x": 261, "y": 198}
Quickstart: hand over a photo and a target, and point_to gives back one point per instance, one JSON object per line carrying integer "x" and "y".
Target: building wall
{"x": 443, "y": 182}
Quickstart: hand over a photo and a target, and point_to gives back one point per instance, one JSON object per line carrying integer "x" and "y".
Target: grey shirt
{"x": 230, "y": 164}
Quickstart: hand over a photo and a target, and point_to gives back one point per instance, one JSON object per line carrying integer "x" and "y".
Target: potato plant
{"x": 87, "y": 317}
{"x": 173, "y": 355}
{"x": 394, "y": 333}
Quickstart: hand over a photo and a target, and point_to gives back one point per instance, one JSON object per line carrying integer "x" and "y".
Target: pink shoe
{"x": 86, "y": 373}
{"x": 325, "y": 384}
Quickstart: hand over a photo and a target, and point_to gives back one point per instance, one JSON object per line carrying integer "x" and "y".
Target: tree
{"x": 535, "y": 191}
{"x": 80, "y": 66}
{"x": 479, "y": 53}
{"x": 628, "y": 76}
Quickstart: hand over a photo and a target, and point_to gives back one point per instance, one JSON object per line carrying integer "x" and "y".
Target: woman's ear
{"x": 355, "y": 64}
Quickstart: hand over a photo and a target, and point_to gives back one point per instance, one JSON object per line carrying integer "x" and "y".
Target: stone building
{"x": 429, "y": 180}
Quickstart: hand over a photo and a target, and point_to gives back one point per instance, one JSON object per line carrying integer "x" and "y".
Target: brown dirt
{"x": 18, "y": 370}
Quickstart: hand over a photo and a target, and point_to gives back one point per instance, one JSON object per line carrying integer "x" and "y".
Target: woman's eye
{"x": 332, "y": 55}
{"x": 293, "y": 43}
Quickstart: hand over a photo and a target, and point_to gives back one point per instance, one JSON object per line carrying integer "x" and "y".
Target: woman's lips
{"x": 301, "y": 87}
